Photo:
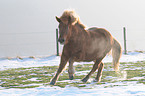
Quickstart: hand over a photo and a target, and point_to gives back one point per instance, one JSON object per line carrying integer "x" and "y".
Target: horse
{"x": 81, "y": 44}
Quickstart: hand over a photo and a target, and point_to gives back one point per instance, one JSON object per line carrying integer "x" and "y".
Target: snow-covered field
{"x": 132, "y": 89}
{"x": 54, "y": 60}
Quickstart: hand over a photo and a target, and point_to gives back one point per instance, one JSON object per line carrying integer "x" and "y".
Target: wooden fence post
{"x": 57, "y": 44}
{"x": 125, "y": 49}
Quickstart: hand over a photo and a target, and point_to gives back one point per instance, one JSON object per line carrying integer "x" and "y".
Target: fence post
{"x": 125, "y": 49}
{"x": 57, "y": 44}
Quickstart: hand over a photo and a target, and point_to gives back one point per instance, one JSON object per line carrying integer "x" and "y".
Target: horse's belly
{"x": 94, "y": 50}
{"x": 85, "y": 57}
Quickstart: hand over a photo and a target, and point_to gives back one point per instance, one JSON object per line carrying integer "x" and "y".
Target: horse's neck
{"x": 78, "y": 30}
{"x": 78, "y": 33}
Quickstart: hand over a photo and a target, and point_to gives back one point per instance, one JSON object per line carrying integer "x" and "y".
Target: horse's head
{"x": 68, "y": 18}
{"x": 63, "y": 30}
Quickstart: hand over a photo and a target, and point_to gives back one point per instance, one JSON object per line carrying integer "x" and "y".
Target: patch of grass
{"x": 141, "y": 81}
{"x": 133, "y": 73}
{"x": 62, "y": 84}
{"x": 22, "y": 77}
{"x": 26, "y": 87}
{"x": 83, "y": 67}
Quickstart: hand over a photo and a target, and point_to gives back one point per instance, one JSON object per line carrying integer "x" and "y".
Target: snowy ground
{"x": 133, "y": 88}
{"x": 54, "y": 60}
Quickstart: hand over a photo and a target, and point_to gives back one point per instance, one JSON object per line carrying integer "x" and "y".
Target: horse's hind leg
{"x": 99, "y": 73}
{"x": 71, "y": 69}
{"x": 95, "y": 67}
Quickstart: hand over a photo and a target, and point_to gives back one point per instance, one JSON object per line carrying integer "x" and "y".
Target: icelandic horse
{"x": 81, "y": 45}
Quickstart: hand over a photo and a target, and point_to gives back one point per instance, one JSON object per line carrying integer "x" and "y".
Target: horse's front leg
{"x": 62, "y": 64}
{"x": 71, "y": 69}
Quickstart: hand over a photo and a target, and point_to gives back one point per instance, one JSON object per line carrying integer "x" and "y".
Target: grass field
{"x": 40, "y": 76}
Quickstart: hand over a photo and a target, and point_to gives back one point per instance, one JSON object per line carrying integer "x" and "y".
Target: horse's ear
{"x": 58, "y": 19}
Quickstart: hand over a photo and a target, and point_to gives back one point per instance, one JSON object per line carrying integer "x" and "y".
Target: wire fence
{"x": 25, "y": 38}
{"x": 27, "y": 44}
{"x": 128, "y": 41}
{"x": 44, "y": 43}
{"x": 23, "y": 33}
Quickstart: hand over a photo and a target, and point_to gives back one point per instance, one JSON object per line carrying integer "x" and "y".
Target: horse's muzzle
{"x": 61, "y": 41}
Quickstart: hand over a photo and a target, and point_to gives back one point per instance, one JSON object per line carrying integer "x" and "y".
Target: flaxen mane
{"x": 73, "y": 16}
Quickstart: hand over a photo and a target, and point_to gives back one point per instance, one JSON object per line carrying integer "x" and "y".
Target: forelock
{"x": 69, "y": 14}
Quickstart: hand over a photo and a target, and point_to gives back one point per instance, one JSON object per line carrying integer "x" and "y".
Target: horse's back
{"x": 92, "y": 28}
{"x": 101, "y": 41}
{"x": 99, "y": 30}
{"x": 100, "y": 33}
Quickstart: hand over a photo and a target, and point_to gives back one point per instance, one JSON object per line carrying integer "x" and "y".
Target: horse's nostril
{"x": 58, "y": 40}
{"x": 61, "y": 40}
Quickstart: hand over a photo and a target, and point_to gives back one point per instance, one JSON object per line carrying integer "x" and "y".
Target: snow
{"x": 33, "y": 79}
{"x": 130, "y": 90}
{"x": 54, "y": 60}
{"x": 28, "y": 62}
{"x": 133, "y": 88}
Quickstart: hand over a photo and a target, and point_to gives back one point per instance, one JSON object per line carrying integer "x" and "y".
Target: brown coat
{"x": 84, "y": 45}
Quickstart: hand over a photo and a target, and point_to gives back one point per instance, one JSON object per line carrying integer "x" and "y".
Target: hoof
{"x": 52, "y": 83}
{"x": 84, "y": 80}
{"x": 95, "y": 80}
{"x": 71, "y": 77}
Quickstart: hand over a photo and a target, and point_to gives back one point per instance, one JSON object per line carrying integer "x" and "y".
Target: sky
{"x": 27, "y": 27}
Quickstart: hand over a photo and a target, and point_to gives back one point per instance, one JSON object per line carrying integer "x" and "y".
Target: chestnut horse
{"x": 84, "y": 45}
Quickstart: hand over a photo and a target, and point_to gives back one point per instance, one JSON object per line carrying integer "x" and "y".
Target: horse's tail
{"x": 116, "y": 54}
